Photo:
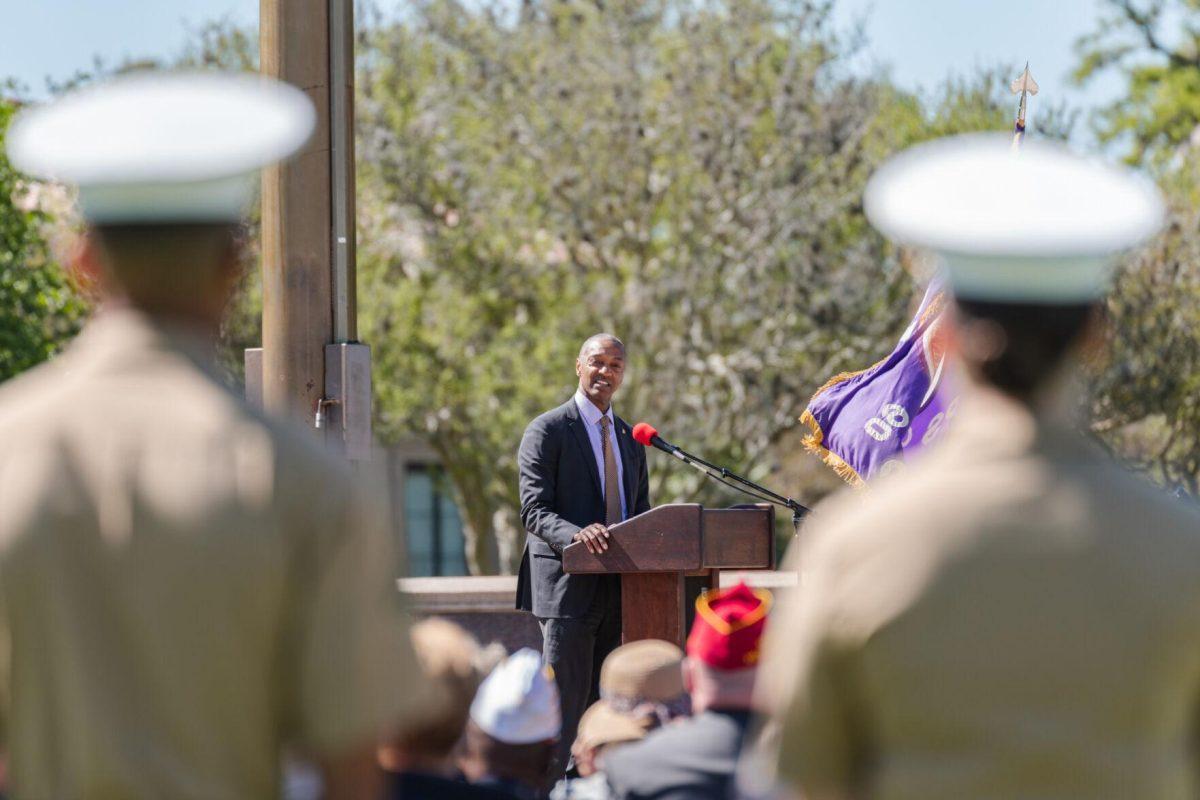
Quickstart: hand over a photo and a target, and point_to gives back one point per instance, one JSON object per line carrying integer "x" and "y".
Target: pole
{"x": 308, "y": 212}
{"x": 341, "y": 101}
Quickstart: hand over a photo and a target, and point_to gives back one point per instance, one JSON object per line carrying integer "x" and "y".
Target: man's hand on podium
{"x": 594, "y": 537}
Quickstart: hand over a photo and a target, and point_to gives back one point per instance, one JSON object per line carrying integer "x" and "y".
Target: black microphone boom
{"x": 732, "y": 479}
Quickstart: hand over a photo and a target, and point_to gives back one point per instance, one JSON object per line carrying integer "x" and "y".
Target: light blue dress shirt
{"x": 591, "y": 417}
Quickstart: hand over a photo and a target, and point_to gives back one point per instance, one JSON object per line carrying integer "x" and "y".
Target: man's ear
{"x": 85, "y": 264}
{"x": 578, "y": 368}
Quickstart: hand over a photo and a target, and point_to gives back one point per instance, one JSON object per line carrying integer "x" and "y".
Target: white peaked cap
{"x": 1035, "y": 225}
{"x": 163, "y": 147}
{"x": 518, "y": 702}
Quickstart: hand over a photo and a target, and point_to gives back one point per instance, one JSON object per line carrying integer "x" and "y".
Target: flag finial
{"x": 1024, "y": 85}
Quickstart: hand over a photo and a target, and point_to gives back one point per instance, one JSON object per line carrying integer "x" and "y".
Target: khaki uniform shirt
{"x": 1013, "y": 617}
{"x": 184, "y": 586}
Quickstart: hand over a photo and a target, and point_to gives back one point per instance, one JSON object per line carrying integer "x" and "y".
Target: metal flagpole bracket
{"x": 348, "y": 399}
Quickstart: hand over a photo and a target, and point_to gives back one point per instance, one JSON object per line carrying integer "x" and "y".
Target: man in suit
{"x": 580, "y": 472}
{"x": 1013, "y": 615}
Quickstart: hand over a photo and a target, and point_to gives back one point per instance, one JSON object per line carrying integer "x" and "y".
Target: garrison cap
{"x": 518, "y": 702}
{"x": 163, "y": 147}
{"x": 1038, "y": 224}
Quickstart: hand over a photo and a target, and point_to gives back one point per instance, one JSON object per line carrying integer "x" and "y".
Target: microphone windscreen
{"x": 643, "y": 433}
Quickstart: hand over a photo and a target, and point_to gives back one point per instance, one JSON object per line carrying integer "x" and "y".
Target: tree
{"x": 39, "y": 312}
{"x": 688, "y": 176}
{"x": 1146, "y": 398}
{"x": 1155, "y": 44}
{"x": 1144, "y": 392}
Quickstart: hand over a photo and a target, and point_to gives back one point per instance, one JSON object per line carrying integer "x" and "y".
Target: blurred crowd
{"x": 669, "y": 724}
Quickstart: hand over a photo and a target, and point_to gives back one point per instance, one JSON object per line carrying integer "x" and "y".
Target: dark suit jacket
{"x": 560, "y": 494}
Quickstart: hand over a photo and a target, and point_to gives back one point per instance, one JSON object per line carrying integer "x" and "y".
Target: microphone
{"x": 646, "y": 435}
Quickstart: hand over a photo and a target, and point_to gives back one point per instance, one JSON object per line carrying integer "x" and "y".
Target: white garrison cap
{"x": 163, "y": 147}
{"x": 518, "y": 702}
{"x": 1034, "y": 225}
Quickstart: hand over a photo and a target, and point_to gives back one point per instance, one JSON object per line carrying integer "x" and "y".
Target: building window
{"x": 431, "y": 524}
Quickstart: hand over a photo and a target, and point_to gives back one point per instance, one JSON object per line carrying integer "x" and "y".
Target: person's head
{"x": 1027, "y": 238}
{"x": 166, "y": 165}
{"x": 601, "y": 368}
{"x": 514, "y": 723}
{"x": 485, "y": 757}
{"x": 1021, "y": 348}
{"x": 645, "y": 679}
{"x": 723, "y": 648}
{"x": 449, "y": 658}
{"x": 601, "y": 729}
{"x": 181, "y": 270}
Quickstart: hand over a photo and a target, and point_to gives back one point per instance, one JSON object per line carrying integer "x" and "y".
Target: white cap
{"x": 1037, "y": 225}
{"x": 518, "y": 702}
{"x": 163, "y": 147}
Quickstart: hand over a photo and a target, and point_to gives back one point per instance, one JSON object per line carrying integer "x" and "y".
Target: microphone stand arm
{"x": 747, "y": 486}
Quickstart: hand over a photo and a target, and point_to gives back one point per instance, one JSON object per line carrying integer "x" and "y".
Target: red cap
{"x": 729, "y": 626}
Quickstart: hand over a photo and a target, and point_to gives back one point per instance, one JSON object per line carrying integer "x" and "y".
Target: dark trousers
{"x": 575, "y": 649}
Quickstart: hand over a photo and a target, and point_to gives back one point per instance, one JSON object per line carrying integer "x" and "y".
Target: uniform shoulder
{"x": 1161, "y": 521}
{"x": 296, "y": 451}
{"x": 25, "y": 397}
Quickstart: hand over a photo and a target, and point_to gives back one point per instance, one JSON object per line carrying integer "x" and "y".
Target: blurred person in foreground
{"x": 1014, "y": 615}
{"x": 695, "y": 758}
{"x": 641, "y": 688}
{"x": 186, "y": 588}
{"x": 419, "y": 758}
{"x": 513, "y": 728}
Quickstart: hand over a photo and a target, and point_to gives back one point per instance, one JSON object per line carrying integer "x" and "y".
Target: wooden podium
{"x": 655, "y": 551}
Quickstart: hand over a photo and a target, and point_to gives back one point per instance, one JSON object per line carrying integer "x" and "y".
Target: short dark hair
{"x": 600, "y": 337}
{"x": 1037, "y": 341}
{"x": 142, "y": 240}
{"x": 159, "y": 263}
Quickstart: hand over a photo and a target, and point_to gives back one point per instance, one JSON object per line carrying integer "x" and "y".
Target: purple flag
{"x": 865, "y": 423}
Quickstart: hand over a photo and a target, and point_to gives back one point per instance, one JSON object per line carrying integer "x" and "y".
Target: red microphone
{"x": 646, "y": 435}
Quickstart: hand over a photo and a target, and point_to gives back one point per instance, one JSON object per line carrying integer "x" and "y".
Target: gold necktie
{"x": 612, "y": 489}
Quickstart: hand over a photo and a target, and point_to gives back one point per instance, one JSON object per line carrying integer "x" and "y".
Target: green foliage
{"x": 1156, "y": 46}
{"x": 530, "y": 177}
{"x": 38, "y": 310}
{"x": 1146, "y": 401}
{"x": 1145, "y": 405}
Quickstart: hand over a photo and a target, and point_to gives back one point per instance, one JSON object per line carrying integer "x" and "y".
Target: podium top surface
{"x": 682, "y": 537}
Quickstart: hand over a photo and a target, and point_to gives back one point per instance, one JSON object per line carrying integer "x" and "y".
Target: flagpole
{"x": 1025, "y": 86}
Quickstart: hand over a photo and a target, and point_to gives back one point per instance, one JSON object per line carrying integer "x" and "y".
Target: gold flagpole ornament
{"x": 1025, "y": 86}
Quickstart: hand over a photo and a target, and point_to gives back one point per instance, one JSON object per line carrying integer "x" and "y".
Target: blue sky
{"x": 920, "y": 41}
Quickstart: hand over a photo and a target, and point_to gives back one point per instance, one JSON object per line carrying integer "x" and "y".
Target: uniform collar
{"x": 992, "y": 424}
{"x": 125, "y": 336}
{"x": 588, "y": 410}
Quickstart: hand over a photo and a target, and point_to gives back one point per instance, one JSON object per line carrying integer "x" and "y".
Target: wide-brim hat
{"x": 603, "y": 725}
{"x": 646, "y": 670}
